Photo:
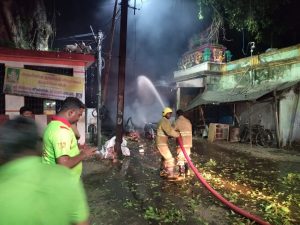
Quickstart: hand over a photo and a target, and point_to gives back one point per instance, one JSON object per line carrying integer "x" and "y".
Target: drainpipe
{"x": 275, "y": 109}
{"x": 250, "y": 122}
{"x": 293, "y": 118}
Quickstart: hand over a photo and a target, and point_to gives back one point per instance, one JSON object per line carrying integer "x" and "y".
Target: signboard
{"x": 204, "y": 53}
{"x": 25, "y": 82}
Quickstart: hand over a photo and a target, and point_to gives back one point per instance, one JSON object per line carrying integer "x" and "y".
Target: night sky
{"x": 158, "y": 33}
{"x": 157, "y": 36}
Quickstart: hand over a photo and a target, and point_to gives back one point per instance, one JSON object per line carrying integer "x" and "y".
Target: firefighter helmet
{"x": 166, "y": 111}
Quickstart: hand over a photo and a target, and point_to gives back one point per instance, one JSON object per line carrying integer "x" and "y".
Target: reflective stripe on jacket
{"x": 164, "y": 131}
{"x": 184, "y": 126}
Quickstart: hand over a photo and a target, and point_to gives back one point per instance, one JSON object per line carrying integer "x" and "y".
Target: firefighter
{"x": 184, "y": 126}
{"x": 164, "y": 131}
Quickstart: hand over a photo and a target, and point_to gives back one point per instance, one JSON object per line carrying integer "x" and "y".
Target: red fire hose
{"x": 216, "y": 194}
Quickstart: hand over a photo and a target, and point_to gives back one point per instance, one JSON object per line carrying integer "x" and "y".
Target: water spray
{"x": 143, "y": 82}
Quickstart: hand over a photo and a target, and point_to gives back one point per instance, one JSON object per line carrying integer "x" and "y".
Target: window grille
{"x": 91, "y": 89}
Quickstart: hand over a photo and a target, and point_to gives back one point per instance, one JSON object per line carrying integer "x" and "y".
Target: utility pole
{"x": 108, "y": 59}
{"x": 100, "y": 38}
{"x": 121, "y": 76}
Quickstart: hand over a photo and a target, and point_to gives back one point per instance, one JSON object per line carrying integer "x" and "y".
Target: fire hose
{"x": 216, "y": 194}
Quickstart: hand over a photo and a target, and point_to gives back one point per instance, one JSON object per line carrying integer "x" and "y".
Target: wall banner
{"x": 33, "y": 83}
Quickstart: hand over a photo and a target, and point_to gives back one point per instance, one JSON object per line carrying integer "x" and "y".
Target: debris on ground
{"x": 134, "y": 193}
{"x": 108, "y": 150}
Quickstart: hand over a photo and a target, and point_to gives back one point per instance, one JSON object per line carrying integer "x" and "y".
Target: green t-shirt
{"x": 58, "y": 140}
{"x": 32, "y": 193}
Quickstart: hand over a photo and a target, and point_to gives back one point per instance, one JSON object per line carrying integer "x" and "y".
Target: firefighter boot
{"x": 181, "y": 170}
{"x": 163, "y": 171}
{"x": 170, "y": 168}
{"x": 172, "y": 175}
{"x": 187, "y": 170}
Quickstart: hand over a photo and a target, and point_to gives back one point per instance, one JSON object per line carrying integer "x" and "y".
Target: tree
{"x": 24, "y": 24}
{"x": 260, "y": 18}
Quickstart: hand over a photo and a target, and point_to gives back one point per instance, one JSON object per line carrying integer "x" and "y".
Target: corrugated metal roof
{"x": 238, "y": 94}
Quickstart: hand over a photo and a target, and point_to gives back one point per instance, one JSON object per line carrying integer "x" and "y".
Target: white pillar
{"x": 178, "y": 98}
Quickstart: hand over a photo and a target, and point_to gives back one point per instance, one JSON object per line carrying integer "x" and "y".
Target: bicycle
{"x": 260, "y": 136}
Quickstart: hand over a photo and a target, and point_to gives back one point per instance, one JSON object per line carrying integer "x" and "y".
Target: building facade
{"x": 259, "y": 90}
{"x": 41, "y": 80}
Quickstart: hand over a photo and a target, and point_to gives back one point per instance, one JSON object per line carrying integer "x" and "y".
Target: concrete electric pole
{"x": 100, "y": 38}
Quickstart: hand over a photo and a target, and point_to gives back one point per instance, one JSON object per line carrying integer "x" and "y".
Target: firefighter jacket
{"x": 184, "y": 126}
{"x": 164, "y": 131}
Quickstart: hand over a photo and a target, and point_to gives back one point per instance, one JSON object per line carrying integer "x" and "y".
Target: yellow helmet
{"x": 166, "y": 111}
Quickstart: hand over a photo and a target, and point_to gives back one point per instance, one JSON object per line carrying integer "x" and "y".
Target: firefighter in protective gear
{"x": 164, "y": 131}
{"x": 166, "y": 111}
{"x": 184, "y": 126}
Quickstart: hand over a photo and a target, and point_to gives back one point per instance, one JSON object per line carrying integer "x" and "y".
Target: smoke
{"x": 142, "y": 113}
{"x": 143, "y": 103}
{"x": 146, "y": 105}
{"x": 158, "y": 35}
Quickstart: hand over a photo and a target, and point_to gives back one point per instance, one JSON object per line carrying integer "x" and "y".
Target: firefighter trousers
{"x": 167, "y": 157}
{"x": 181, "y": 160}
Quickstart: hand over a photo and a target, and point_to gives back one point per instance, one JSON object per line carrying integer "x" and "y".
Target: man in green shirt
{"x": 59, "y": 142}
{"x": 31, "y": 192}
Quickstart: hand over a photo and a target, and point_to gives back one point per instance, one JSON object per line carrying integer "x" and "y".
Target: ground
{"x": 262, "y": 181}
{"x": 261, "y": 152}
